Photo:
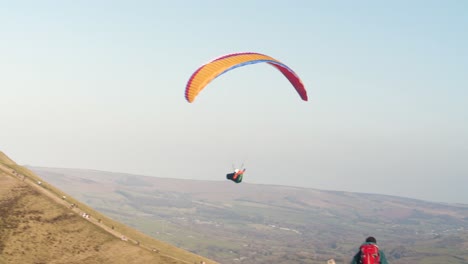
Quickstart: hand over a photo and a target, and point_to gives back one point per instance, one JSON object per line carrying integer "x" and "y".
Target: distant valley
{"x": 252, "y": 223}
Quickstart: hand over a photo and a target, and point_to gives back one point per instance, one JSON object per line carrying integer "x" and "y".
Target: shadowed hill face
{"x": 35, "y": 228}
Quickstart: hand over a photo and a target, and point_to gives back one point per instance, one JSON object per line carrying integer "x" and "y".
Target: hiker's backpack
{"x": 370, "y": 254}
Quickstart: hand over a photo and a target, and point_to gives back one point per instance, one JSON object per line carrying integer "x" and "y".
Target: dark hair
{"x": 371, "y": 239}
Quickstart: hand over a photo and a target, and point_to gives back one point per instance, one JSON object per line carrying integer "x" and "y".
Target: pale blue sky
{"x": 100, "y": 85}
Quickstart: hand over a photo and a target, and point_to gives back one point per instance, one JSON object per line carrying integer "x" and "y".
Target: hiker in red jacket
{"x": 369, "y": 253}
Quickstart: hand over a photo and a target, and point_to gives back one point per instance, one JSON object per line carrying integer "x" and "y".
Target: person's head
{"x": 371, "y": 240}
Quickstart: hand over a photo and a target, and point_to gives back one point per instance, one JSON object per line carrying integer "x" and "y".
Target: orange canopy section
{"x": 208, "y": 72}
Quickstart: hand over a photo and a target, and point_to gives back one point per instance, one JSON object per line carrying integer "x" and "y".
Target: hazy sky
{"x": 100, "y": 85}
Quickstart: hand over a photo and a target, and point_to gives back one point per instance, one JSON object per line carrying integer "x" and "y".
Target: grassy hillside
{"x": 38, "y": 224}
{"x": 4, "y": 159}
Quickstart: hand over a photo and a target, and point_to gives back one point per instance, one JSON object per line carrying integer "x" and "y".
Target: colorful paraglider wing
{"x": 206, "y": 73}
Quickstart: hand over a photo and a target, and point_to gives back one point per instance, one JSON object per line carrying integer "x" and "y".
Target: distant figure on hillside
{"x": 369, "y": 253}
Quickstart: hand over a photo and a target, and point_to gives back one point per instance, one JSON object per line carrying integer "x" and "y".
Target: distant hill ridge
{"x": 41, "y": 224}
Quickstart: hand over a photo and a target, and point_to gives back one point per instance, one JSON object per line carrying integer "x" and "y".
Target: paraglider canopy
{"x": 207, "y": 72}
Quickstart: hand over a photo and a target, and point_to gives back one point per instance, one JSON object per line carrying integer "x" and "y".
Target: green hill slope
{"x": 41, "y": 224}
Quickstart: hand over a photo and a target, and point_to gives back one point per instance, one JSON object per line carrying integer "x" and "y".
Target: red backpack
{"x": 370, "y": 254}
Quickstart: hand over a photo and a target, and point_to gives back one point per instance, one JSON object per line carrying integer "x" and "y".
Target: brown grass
{"x": 38, "y": 225}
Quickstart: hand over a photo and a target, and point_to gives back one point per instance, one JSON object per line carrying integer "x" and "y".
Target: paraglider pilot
{"x": 236, "y": 176}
